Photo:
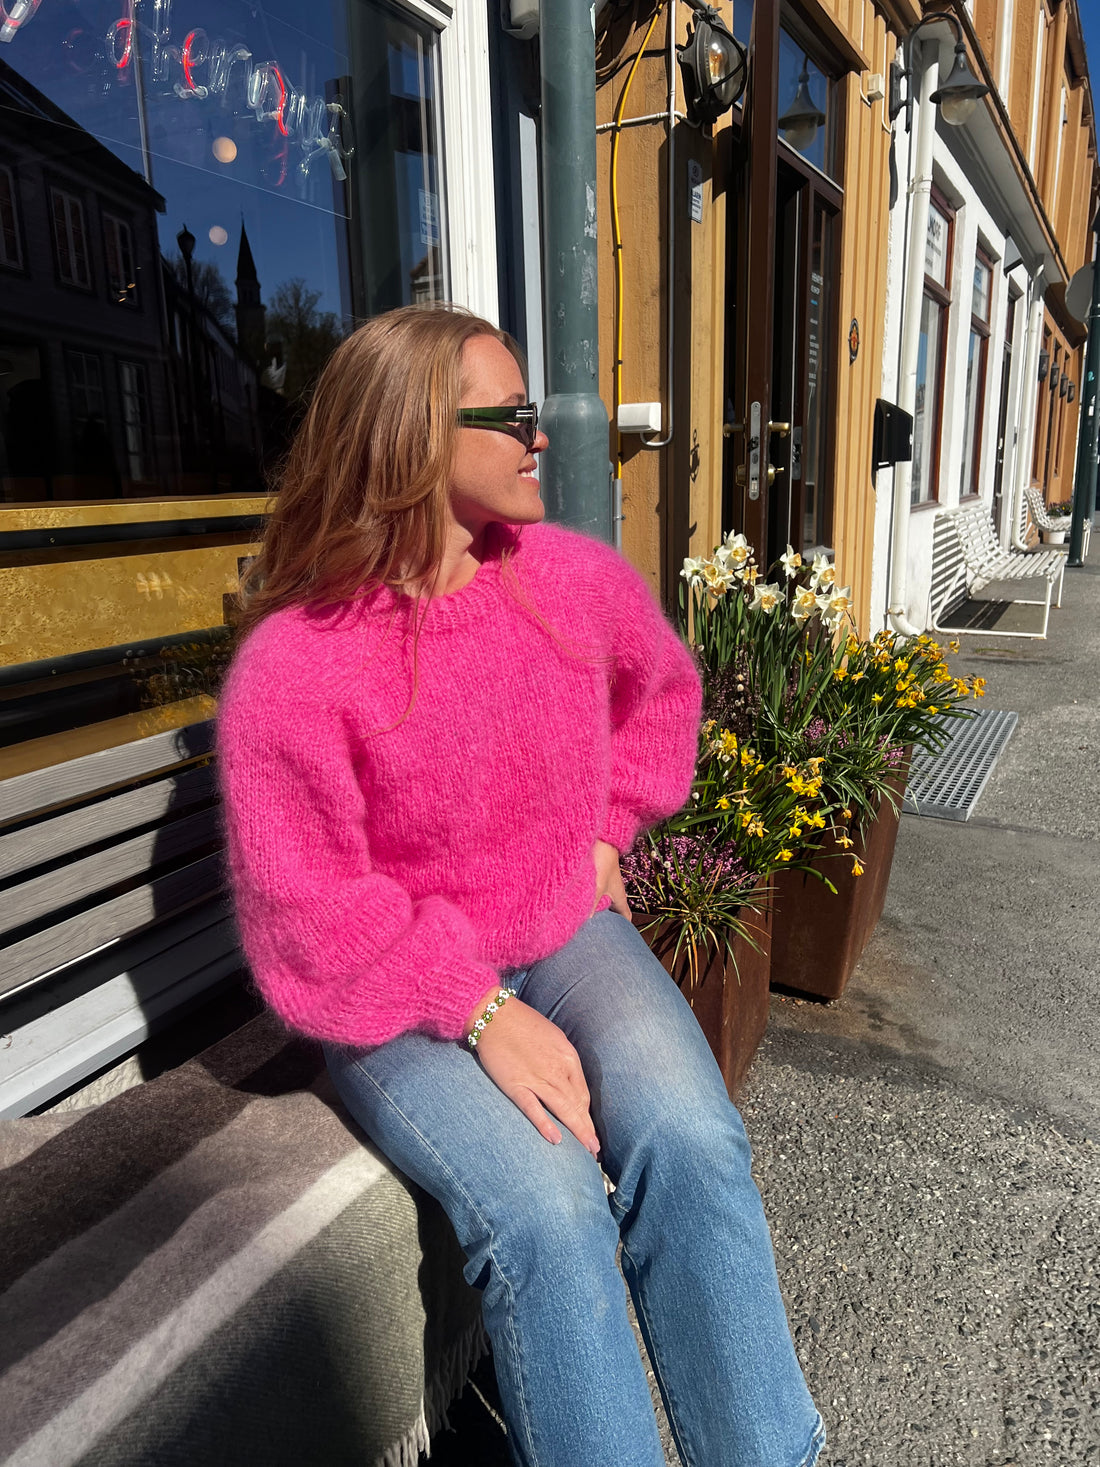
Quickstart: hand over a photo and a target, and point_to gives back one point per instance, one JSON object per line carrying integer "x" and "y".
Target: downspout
{"x": 575, "y": 474}
{"x": 1025, "y": 447}
{"x": 920, "y": 191}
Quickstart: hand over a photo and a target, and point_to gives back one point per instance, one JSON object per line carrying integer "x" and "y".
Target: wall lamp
{"x": 1052, "y": 380}
{"x": 714, "y": 64}
{"x": 1071, "y": 392}
{"x": 1063, "y": 386}
{"x": 959, "y": 94}
{"x": 800, "y": 122}
{"x": 1044, "y": 365}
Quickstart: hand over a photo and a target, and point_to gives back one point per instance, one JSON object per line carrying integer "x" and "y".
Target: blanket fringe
{"x": 458, "y": 1361}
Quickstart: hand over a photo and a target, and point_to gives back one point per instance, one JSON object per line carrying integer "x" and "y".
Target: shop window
{"x": 70, "y": 239}
{"x": 119, "y": 251}
{"x": 976, "y": 370}
{"x": 11, "y": 252}
{"x": 276, "y": 173}
{"x": 931, "y": 351}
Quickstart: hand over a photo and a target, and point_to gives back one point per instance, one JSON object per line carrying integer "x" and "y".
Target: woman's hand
{"x": 609, "y": 879}
{"x": 531, "y": 1061}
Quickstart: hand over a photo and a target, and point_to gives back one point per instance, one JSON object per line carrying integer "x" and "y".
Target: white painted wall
{"x": 974, "y": 225}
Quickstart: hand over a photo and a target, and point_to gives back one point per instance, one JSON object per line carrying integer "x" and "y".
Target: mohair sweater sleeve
{"x": 655, "y": 706}
{"x": 339, "y": 950}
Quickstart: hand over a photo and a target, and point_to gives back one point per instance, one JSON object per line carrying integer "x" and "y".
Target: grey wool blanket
{"x": 214, "y": 1268}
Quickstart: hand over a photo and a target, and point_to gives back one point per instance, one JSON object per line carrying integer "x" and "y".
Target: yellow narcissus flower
{"x": 785, "y": 855}
{"x": 840, "y": 674}
{"x": 716, "y": 578}
{"x": 845, "y": 842}
{"x": 794, "y": 832}
{"x": 756, "y": 828}
{"x": 876, "y": 697}
{"x": 816, "y": 821}
{"x": 846, "y": 813}
{"x": 723, "y": 803}
{"x": 857, "y": 868}
{"x": 978, "y": 687}
{"x": 954, "y": 644}
{"x": 791, "y": 562}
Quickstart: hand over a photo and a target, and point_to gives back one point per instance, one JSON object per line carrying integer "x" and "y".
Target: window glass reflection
{"x": 198, "y": 200}
{"x": 805, "y": 121}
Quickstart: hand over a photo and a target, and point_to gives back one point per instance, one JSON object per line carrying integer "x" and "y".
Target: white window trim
{"x": 1004, "y": 49}
{"x": 468, "y": 162}
{"x": 1033, "y": 131}
{"x": 72, "y": 203}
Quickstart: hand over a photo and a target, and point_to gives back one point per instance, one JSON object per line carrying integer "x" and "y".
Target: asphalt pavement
{"x": 928, "y": 1146}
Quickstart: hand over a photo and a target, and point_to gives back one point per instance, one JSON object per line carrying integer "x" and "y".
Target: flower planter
{"x": 1054, "y": 537}
{"x": 817, "y": 937}
{"x": 731, "y": 1004}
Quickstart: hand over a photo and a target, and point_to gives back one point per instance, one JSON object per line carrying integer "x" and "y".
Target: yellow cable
{"x": 617, "y": 243}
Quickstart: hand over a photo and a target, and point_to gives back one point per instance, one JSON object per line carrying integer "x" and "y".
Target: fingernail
{"x": 594, "y": 1147}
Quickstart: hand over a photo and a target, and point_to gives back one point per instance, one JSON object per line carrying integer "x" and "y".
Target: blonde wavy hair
{"x": 361, "y": 500}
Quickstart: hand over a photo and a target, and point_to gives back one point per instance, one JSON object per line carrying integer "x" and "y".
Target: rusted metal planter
{"x": 818, "y": 937}
{"x": 730, "y": 1003}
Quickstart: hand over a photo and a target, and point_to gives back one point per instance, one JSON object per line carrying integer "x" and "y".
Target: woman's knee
{"x": 553, "y": 1217}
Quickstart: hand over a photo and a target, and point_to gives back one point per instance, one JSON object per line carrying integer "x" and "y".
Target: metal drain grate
{"x": 947, "y": 785}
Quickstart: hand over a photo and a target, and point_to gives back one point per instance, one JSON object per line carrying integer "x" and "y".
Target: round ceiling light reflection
{"x": 218, "y": 235}
{"x": 224, "y": 149}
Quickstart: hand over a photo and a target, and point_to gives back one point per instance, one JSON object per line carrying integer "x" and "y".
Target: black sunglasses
{"x": 521, "y": 423}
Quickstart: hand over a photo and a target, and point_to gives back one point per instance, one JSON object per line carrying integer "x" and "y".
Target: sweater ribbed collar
{"x": 471, "y": 602}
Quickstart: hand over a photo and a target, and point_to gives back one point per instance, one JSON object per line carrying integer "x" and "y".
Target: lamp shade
{"x": 959, "y": 94}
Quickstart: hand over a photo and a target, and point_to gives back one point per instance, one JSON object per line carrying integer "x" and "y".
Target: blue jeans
{"x": 540, "y": 1232}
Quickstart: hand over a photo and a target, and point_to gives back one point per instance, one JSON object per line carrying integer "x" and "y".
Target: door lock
{"x": 772, "y": 471}
{"x": 781, "y": 428}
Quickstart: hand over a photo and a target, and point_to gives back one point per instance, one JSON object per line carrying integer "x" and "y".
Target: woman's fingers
{"x": 525, "y": 1101}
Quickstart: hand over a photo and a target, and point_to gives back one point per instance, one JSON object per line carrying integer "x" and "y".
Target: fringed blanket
{"x": 214, "y": 1268}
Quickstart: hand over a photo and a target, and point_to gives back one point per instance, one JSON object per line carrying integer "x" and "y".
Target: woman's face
{"x": 493, "y": 475}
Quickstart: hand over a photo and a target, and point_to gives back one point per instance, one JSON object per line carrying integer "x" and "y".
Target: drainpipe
{"x": 1026, "y": 445}
{"x": 920, "y": 191}
{"x": 576, "y": 472}
{"x": 1084, "y": 478}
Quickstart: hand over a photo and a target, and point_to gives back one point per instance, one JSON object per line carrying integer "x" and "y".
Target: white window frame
{"x": 73, "y": 204}
{"x": 124, "y": 243}
{"x": 466, "y": 127}
{"x": 13, "y": 262}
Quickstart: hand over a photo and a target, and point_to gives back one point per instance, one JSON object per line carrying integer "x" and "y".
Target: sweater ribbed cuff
{"x": 620, "y": 827}
{"x": 446, "y": 1013}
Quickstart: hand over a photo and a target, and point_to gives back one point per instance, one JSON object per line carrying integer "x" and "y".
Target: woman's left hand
{"x": 609, "y": 879}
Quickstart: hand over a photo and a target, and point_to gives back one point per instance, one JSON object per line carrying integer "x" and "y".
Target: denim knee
{"x": 554, "y": 1221}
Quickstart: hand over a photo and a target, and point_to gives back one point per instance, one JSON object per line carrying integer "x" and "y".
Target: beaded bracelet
{"x": 503, "y": 995}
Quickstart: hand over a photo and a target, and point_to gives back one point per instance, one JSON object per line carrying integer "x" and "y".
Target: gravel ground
{"x": 938, "y": 1255}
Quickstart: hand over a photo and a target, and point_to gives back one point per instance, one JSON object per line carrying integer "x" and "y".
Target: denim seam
{"x": 512, "y": 1340}
{"x": 817, "y": 1441}
{"x": 651, "y": 1347}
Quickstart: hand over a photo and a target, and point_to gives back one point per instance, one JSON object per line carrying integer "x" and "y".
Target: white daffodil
{"x": 735, "y": 551}
{"x": 823, "y": 573}
{"x": 835, "y": 606}
{"x": 766, "y": 597}
{"x": 804, "y": 605}
{"x": 791, "y": 562}
{"x": 692, "y": 571}
{"x": 717, "y": 578}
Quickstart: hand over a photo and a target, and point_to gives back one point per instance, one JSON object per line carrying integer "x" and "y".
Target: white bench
{"x": 977, "y": 558}
{"x": 1044, "y": 520}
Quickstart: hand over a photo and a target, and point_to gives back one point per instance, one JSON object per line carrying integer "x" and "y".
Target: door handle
{"x": 772, "y": 471}
{"x": 781, "y": 428}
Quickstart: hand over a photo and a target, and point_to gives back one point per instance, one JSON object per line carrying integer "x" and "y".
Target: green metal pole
{"x": 575, "y": 470}
{"x": 1084, "y": 478}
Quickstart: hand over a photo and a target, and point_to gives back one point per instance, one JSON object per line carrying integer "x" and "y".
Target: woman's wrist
{"x": 483, "y": 1014}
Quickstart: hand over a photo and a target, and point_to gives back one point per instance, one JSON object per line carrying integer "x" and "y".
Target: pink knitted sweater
{"x": 388, "y": 869}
